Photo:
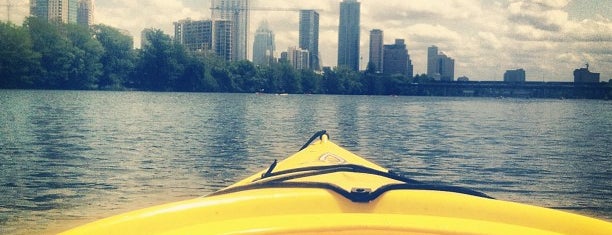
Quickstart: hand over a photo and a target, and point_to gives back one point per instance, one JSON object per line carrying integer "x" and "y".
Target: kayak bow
{"x": 325, "y": 189}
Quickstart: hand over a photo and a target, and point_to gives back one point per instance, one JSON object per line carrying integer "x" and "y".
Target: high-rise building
{"x": 517, "y": 75}
{"x": 223, "y": 39}
{"x": 205, "y": 36}
{"x": 236, "y": 11}
{"x": 63, "y": 11}
{"x": 298, "y": 58}
{"x": 376, "y": 49}
{"x": 397, "y": 60}
{"x": 432, "y": 55}
{"x": 348, "y": 34}
{"x": 196, "y": 36}
{"x": 439, "y": 66}
{"x": 309, "y": 36}
{"x": 263, "y": 46}
{"x": 85, "y": 13}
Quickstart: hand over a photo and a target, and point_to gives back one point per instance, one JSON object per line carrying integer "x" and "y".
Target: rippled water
{"x": 69, "y": 157}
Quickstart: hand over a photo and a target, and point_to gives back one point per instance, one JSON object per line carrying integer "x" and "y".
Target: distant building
{"x": 376, "y": 49}
{"x": 205, "y": 36}
{"x": 223, "y": 39}
{"x": 396, "y": 59}
{"x": 348, "y": 34}
{"x": 517, "y": 75}
{"x": 85, "y": 13}
{"x": 439, "y": 66}
{"x": 62, "y": 11}
{"x": 298, "y": 58}
{"x": 238, "y": 13}
{"x": 263, "y": 46}
{"x": 583, "y": 75}
{"x": 309, "y": 36}
{"x": 195, "y": 35}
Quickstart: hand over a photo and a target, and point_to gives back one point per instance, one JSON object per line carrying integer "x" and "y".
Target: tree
{"x": 159, "y": 65}
{"x": 86, "y": 67}
{"x": 18, "y": 62}
{"x": 56, "y": 53}
{"x": 118, "y": 59}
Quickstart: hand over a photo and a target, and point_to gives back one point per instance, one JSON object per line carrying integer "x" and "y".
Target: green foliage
{"x": 44, "y": 55}
{"x": 117, "y": 59}
{"x": 18, "y": 61}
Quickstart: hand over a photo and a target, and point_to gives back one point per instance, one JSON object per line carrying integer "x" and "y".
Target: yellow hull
{"x": 324, "y": 189}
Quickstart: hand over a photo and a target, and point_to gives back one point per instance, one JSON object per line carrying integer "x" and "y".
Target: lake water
{"x": 69, "y": 157}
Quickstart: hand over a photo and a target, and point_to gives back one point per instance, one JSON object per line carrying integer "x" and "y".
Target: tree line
{"x": 43, "y": 55}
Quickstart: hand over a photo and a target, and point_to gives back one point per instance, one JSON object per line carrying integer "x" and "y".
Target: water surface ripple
{"x": 67, "y": 157}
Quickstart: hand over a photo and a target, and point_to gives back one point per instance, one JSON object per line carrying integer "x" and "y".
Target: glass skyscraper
{"x": 376, "y": 49}
{"x": 263, "y": 46}
{"x": 236, "y": 11}
{"x": 309, "y": 36}
{"x": 348, "y": 34}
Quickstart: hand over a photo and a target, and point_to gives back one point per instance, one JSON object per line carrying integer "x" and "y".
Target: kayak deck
{"x": 325, "y": 189}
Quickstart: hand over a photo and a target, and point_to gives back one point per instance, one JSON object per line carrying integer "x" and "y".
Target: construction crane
{"x": 239, "y": 9}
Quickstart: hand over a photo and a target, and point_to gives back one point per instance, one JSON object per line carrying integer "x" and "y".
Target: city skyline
{"x": 549, "y": 39}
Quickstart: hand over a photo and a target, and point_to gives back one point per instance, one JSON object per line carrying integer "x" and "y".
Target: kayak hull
{"x": 307, "y": 210}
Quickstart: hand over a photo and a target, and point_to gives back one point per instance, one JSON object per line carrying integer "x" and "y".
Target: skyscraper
{"x": 263, "y": 46}
{"x": 85, "y": 13}
{"x": 64, "y": 11}
{"x": 397, "y": 60}
{"x": 439, "y": 66}
{"x": 348, "y": 34}
{"x": 432, "y": 55}
{"x": 236, "y": 11}
{"x": 309, "y": 36}
{"x": 376, "y": 49}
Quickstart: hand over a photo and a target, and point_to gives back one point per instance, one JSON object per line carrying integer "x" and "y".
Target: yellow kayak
{"x": 325, "y": 189}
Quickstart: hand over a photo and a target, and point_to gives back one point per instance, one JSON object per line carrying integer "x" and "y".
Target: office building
{"x": 583, "y": 75}
{"x": 85, "y": 13}
{"x": 298, "y": 58}
{"x": 376, "y": 49}
{"x": 223, "y": 39}
{"x": 397, "y": 60}
{"x": 195, "y": 35}
{"x": 62, "y": 11}
{"x": 348, "y": 34}
{"x": 236, "y": 11}
{"x": 205, "y": 36}
{"x": 309, "y": 36}
{"x": 263, "y": 46}
{"x": 517, "y": 75}
{"x": 439, "y": 66}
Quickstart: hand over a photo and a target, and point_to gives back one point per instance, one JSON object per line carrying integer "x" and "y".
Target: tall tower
{"x": 376, "y": 49}
{"x": 85, "y": 13}
{"x": 309, "y": 36}
{"x": 348, "y": 34}
{"x": 64, "y": 11}
{"x": 263, "y": 46}
{"x": 236, "y": 11}
{"x": 432, "y": 58}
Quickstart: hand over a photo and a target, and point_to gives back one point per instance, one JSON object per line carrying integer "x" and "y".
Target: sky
{"x": 547, "y": 38}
